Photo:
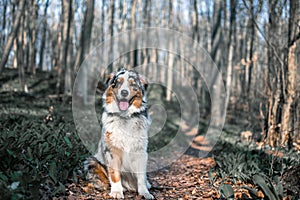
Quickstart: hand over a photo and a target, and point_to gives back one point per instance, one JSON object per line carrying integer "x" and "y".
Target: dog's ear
{"x": 144, "y": 81}
{"x": 109, "y": 78}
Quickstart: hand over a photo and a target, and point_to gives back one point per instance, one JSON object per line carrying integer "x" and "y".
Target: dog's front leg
{"x": 142, "y": 183}
{"x": 114, "y": 166}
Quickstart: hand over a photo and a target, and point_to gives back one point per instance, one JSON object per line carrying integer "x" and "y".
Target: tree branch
{"x": 263, "y": 35}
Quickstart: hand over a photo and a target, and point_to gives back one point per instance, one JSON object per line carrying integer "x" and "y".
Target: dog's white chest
{"x": 130, "y": 134}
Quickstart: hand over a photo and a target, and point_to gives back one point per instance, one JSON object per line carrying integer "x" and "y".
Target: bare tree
{"x": 66, "y": 14}
{"x": 133, "y": 54}
{"x": 111, "y": 13}
{"x": 231, "y": 44}
{"x": 33, "y": 31}
{"x": 12, "y": 34}
{"x": 195, "y": 33}
{"x": 170, "y": 57}
{"x": 84, "y": 45}
{"x": 3, "y": 35}
{"x": 20, "y": 55}
{"x": 85, "y": 35}
{"x": 216, "y": 35}
{"x": 44, "y": 33}
{"x": 275, "y": 70}
{"x": 67, "y": 59}
{"x": 215, "y": 53}
{"x": 290, "y": 73}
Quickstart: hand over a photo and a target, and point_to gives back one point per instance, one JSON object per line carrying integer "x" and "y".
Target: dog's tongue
{"x": 123, "y": 105}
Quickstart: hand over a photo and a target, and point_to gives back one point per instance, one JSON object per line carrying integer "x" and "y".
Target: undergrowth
{"x": 235, "y": 163}
{"x": 38, "y": 156}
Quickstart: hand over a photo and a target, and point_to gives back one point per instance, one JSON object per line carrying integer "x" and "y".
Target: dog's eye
{"x": 117, "y": 83}
{"x": 134, "y": 86}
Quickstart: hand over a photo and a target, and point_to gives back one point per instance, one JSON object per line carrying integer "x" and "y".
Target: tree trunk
{"x": 68, "y": 69}
{"x": 66, "y": 12}
{"x": 275, "y": 77}
{"x": 111, "y": 13}
{"x": 102, "y": 20}
{"x": 85, "y": 35}
{"x": 216, "y": 57}
{"x": 44, "y": 33}
{"x": 123, "y": 16}
{"x": 195, "y": 28}
{"x": 26, "y": 38}
{"x": 170, "y": 57}
{"x": 231, "y": 44}
{"x": 84, "y": 45}
{"x": 12, "y": 34}
{"x": 251, "y": 47}
{"x": 216, "y": 35}
{"x": 33, "y": 16}
{"x": 290, "y": 89}
{"x": 133, "y": 54}
{"x": 3, "y": 35}
{"x": 146, "y": 23}
{"x": 20, "y": 56}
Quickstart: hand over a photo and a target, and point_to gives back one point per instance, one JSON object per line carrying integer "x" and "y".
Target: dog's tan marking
{"x": 137, "y": 102}
{"x": 114, "y": 174}
{"x": 112, "y": 148}
{"x": 121, "y": 79}
{"x": 109, "y": 95}
{"x": 101, "y": 173}
{"x": 107, "y": 137}
{"x": 115, "y": 165}
{"x": 131, "y": 81}
{"x": 99, "y": 170}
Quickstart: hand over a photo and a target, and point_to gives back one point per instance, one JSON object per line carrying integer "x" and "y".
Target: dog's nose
{"x": 124, "y": 93}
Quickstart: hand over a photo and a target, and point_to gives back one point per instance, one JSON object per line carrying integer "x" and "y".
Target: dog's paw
{"x": 116, "y": 194}
{"x": 147, "y": 195}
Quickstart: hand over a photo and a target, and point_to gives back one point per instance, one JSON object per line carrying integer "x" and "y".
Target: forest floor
{"x": 187, "y": 178}
{"x": 42, "y": 156}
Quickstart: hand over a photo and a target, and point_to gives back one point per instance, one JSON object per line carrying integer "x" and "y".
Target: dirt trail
{"x": 186, "y": 178}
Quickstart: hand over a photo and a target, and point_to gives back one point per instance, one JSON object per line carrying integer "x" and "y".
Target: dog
{"x": 121, "y": 158}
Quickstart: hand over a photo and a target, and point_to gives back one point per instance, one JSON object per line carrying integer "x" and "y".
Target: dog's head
{"x": 125, "y": 93}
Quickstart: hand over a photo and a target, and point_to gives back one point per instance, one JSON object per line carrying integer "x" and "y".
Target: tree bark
{"x": 67, "y": 59}
{"x": 85, "y": 35}
{"x": 231, "y": 44}
{"x": 12, "y": 34}
{"x": 20, "y": 56}
{"x": 66, "y": 7}
{"x": 111, "y": 13}
{"x": 170, "y": 57}
{"x": 3, "y": 36}
{"x": 275, "y": 77}
{"x": 133, "y": 54}
{"x": 33, "y": 15}
{"x": 216, "y": 57}
{"x": 216, "y": 35}
{"x": 44, "y": 33}
{"x": 84, "y": 46}
{"x": 195, "y": 28}
{"x": 290, "y": 68}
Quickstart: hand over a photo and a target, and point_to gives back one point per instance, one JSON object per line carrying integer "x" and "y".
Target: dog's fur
{"x": 121, "y": 158}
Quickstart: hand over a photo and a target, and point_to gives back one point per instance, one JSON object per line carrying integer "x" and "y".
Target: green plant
{"x": 38, "y": 157}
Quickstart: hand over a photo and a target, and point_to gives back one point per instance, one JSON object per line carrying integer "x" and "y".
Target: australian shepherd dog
{"x": 121, "y": 158}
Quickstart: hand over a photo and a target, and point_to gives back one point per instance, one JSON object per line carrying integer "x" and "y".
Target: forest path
{"x": 186, "y": 178}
